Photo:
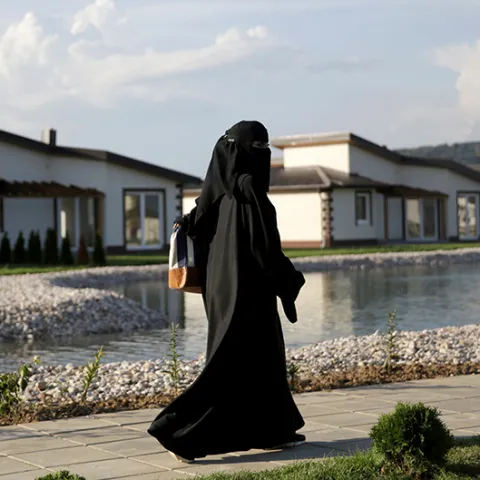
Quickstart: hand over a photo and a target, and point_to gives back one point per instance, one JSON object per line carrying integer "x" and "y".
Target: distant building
{"x": 340, "y": 189}
{"x": 82, "y": 191}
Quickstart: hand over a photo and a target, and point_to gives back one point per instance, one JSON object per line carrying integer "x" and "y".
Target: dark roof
{"x": 98, "y": 155}
{"x": 44, "y": 189}
{"x": 382, "y": 151}
{"x": 322, "y": 178}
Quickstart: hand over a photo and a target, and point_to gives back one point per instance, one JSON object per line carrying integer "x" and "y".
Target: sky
{"x": 161, "y": 80}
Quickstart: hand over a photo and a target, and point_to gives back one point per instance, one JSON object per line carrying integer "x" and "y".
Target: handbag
{"x": 184, "y": 272}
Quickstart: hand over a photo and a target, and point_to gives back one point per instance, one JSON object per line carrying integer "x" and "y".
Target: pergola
{"x": 53, "y": 190}
{"x": 45, "y": 190}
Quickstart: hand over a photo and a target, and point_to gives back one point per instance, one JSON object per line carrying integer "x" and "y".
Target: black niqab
{"x": 235, "y": 154}
{"x": 242, "y": 399}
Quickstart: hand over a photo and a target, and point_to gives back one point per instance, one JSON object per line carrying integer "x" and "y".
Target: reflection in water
{"x": 334, "y": 304}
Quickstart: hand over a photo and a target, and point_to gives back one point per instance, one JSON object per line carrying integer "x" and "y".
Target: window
{"x": 78, "y": 218}
{"x": 422, "y": 218}
{"x": 468, "y": 215}
{"x": 144, "y": 222}
{"x": 363, "y": 208}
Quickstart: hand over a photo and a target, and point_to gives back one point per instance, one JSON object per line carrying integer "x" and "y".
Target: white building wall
{"x": 21, "y": 164}
{"x": 344, "y": 226}
{"x": 21, "y": 214}
{"x": 331, "y": 156}
{"x": 372, "y": 166}
{"x": 378, "y": 209}
{"x": 111, "y": 180}
{"x": 395, "y": 218}
{"x": 299, "y": 216}
{"x": 27, "y": 214}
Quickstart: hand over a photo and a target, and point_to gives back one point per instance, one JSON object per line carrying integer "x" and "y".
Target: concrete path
{"x": 116, "y": 446}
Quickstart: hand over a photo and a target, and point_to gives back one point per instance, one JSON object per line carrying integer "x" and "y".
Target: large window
{"x": 468, "y": 215}
{"x": 144, "y": 222}
{"x": 422, "y": 218}
{"x": 363, "y": 208}
{"x": 78, "y": 218}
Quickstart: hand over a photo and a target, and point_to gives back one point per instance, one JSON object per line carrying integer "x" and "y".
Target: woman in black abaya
{"x": 241, "y": 400}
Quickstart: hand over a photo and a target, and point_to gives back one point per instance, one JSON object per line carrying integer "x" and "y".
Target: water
{"x": 334, "y": 304}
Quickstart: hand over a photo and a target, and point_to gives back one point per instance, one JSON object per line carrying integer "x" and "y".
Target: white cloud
{"x": 465, "y": 61}
{"x": 38, "y": 68}
{"x": 24, "y": 44}
{"x": 98, "y": 14}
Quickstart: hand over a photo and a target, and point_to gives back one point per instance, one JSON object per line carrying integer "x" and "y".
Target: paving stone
{"x": 132, "y": 448}
{"x": 335, "y": 435}
{"x": 34, "y": 444}
{"x": 359, "y": 405}
{"x": 345, "y": 419}
{"x": 463, "y": 405}
{"x": 11, "y": 465}
{"x": 316, "y": 410}
{"x": 461, "y": 421}
{"x": 305, "y": 452}
{"x": 172, "y": 475}
{"x": 70, "y": 456}
{"x": 103, "y": 435}
{"x": 16, "y": 432}
{"x": 66, "y": 425}
{"x": 139, "y": 427}
{"x": 30, "y": 475}
{"x": 111, "y": 469}
{"x": 127, "y": 418}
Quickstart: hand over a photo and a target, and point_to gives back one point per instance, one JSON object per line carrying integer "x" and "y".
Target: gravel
{"x": 444, "y": 346}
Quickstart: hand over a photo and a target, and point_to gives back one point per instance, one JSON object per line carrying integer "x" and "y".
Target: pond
{"x": 332, "y": 305}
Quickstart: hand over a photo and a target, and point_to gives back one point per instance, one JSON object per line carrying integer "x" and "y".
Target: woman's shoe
{"x": 297, "y": 440}
{"x": 179, "y": 458}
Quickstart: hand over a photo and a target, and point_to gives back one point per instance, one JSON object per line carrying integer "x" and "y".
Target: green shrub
{"x": 5, "y": 250}
{"x": 19, "y": 253}
{"x": 34, "y": 248}
{"x": 99, "y": 252}
{"x": 50, "y": 251}
{"x": 412, "y": 439}
{"x": 62, "y": 475}
{"x": 66, "y": 255}
{"x": 82, "y": 253}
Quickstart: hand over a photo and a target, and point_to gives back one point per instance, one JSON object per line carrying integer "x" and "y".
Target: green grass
{"x": 463, "y": 463}
{"x": 162, "y": 258}
{"x": 418, "y": 247}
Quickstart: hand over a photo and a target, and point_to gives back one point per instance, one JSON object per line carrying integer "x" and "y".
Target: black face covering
{"x": 242, "y": 150}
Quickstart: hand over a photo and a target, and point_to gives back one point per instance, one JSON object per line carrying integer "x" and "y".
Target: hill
{"x": 468, "y": 152}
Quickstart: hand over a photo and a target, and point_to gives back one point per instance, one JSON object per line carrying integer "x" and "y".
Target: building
{"x": 81, "y": 191}
{"x": 340, "y": 189}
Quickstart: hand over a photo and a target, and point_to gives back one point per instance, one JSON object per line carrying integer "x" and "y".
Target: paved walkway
{"x": 116, "y": 446}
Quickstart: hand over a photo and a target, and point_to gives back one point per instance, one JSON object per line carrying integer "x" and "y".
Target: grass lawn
{"x": 463, "y": 463}
{"x": 155, "y": 259}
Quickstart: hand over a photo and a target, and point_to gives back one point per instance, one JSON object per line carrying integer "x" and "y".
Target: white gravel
{"x": 449, "y": 346}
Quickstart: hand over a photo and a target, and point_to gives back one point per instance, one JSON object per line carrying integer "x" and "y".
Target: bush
{"x": 34, "y": 248}
{"x": 62, "y": 475}
{"x": 5, "y": 250}
{"x": 66, "y": 256}
{"x": 82, "y": 254}
{"x": 412, "y": 439}
{"x": 19, "y": 253}
{"x": 99, "y": 251}
{"x": 50, "y": 251}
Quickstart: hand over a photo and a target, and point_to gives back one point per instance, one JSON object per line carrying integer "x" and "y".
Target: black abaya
{"x": 241, "y": 400}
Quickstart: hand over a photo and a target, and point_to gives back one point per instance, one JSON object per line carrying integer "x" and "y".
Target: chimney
{"x": 49, "y": 136}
